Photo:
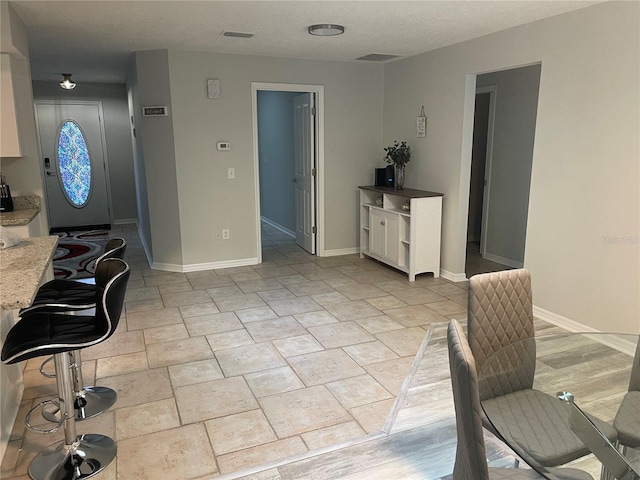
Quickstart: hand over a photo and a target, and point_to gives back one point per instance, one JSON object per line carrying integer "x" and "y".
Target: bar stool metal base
{"x": 96, "y": 400}
{"x": 88, "y": 455}
{"x": 91, "y": 402}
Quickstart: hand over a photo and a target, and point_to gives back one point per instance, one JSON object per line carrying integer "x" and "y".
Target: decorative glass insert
{"x": 74, "y": 164}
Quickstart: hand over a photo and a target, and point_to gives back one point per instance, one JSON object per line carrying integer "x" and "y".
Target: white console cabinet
{"x": 401, "y": 228}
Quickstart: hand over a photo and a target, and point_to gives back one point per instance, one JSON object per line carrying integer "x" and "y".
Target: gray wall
{"x": 142, "y": 197}
{"x": 155, "y": 136}
{"x": 117, "y": 133}
{"x": 584, "y": 209}
{"x": 275, "y": 147}
{"x": 209, "y": 201}
{"x": 513, "y": 137}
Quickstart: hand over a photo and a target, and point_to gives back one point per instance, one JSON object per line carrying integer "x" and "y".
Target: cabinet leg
{"x": 412, "y": 277}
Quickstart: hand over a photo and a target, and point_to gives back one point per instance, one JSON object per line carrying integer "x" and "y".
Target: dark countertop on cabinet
{"x": 407, "y": 192}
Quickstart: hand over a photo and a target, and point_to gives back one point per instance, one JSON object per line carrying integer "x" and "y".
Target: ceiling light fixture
{"x": 67, "y": 83}
{"x": 326, "y": 30}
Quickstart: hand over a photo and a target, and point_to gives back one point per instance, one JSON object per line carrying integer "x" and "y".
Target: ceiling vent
{"x": 378, "y": 57}
{"x": 237, "y": 34}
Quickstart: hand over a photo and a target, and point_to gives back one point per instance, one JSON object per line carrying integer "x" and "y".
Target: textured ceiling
{"x": 94, "y": 40}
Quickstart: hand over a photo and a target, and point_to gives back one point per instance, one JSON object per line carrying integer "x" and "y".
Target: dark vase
{"x": 400, "y": 177}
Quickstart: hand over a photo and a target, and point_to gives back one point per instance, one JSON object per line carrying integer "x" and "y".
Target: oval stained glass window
{"x": 74, "y": 164}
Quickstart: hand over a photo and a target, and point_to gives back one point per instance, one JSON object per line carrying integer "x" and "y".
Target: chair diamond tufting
{"x": 501, "y": 314}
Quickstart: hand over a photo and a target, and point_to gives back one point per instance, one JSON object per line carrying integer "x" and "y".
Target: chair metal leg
{"x": 77, "y": 456}
{"x": 89, "y": 401}
{"x": 606, "y": 474}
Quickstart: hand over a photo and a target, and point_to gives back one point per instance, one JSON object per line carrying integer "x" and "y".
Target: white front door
{"x": 74, "y": 163}
{"x": 304, "y": 159}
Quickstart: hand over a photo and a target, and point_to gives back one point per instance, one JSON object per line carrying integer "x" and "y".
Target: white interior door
{"x": 304, "y": 159}
{"x": 74, "y": 164}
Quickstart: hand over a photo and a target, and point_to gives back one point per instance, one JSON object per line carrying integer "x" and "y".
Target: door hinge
{"x": 313, "y": 172}
{"x": 313, "y": 110}
{"x": 314, "y": 230}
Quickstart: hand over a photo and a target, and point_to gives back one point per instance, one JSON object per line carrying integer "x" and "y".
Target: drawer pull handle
{"x": 382, "y": 222}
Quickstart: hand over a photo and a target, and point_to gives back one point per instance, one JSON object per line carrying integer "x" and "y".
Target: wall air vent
{"x": 155, "y": 111}
{"x": 237, "y": 34}
{"x": 378, "y": 57}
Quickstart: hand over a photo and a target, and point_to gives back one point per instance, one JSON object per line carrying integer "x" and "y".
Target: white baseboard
{"x": 453, "y": 277}
{"x": 341, "y": 251}
{"x": 277, "y": 226}
{"x": 503, "y": 261}
{"x": 198, "y": 267}
{"x": 125, "y": 221}
{"x": 560, "y": 321}
{"x": 195, "y": 267}
{"x": 620, "y": 344}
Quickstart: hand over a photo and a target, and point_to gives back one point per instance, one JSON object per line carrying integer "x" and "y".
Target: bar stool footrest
{"x": 46, "y": 415}
{"x": 43, "y": 366}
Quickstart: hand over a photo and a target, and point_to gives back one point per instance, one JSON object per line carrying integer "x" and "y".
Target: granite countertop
{"x": 25, "y": 209}
{"x": 21, "y": 270}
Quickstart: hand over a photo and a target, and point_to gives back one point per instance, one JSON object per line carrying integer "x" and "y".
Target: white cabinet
{"x": 384, "y": 240}
{"x": 401, "y": 228}
{"x": 10, "y": 136}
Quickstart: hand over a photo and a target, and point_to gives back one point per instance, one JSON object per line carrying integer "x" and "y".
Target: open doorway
{"x": 504, "y": 129}
{"x": 288, "y": 158}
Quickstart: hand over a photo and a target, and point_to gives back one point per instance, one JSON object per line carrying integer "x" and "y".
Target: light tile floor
{"x": 223, "y": 370}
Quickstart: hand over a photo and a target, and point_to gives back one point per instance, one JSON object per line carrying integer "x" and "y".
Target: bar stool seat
{"x": 74, "y": 297}
{"x": 57, "y": 334}
{"x": 50, "y": 333}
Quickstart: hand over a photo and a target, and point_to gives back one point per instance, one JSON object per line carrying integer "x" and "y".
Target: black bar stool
{"x": 55, "y": 333}
{"x": 73, "y": 297}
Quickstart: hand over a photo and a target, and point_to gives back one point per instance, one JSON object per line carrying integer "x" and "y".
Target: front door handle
{"x": 51, "y": 174}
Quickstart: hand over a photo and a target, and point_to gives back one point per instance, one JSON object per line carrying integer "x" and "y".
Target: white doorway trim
{"x": 291, "y": 87}
{"x": 492, "y": 90}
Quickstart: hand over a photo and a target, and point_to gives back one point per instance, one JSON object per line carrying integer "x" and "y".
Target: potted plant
{"x": 398, "y": 154}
